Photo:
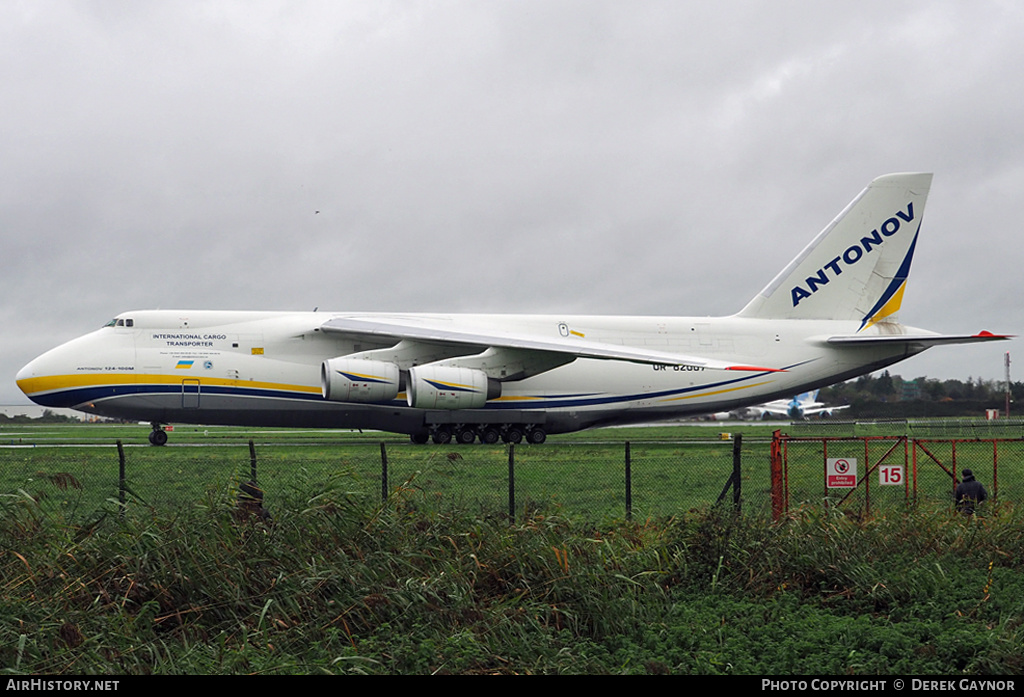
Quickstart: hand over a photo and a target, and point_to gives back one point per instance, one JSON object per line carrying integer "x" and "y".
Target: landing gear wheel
{"x": 536, "y": 436}
{"x": 158, "y": 436}
{"x": 465, "y": 436}
{"x": 490, "y": 436}
{"x": 419, "y": 438}
{"x": 442, "y": 436}
{"x": 513, "y": 434}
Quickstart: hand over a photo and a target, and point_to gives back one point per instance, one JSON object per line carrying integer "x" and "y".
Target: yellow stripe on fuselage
{"x": 56, "y": 383}
{"x": 714, "y": 392}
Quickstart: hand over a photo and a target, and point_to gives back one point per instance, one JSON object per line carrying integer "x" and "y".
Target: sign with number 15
{"x": 890, "y": 474}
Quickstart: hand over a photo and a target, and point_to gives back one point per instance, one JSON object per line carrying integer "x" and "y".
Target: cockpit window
{"x": 120, "y": 323}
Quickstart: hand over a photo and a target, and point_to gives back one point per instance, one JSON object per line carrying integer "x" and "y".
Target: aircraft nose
{"x": 46, "y": 379}
{"x": 68, "y": 375}
{"x": 30, "y": 379}
{"x": 23, "y": 374}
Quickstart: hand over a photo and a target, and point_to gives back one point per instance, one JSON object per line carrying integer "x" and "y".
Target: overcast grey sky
{"x": 502, "y": 156}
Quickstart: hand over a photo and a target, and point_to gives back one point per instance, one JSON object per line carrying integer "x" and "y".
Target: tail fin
{"x": 811, "y": 396}
{"x": 857, "y": 267}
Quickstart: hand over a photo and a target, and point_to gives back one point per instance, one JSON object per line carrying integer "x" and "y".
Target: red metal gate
{"x": 895, "y": 470}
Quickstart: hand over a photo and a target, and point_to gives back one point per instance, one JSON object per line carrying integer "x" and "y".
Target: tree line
{"x": 892, "y": 396}
{"x": 47, "y": 417}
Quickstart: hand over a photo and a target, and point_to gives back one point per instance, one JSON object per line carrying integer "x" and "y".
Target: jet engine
{"x": 449, "y": 387}
{"x": 359, "y": 380}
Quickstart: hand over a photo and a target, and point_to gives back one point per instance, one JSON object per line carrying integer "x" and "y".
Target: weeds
{"x": 335, "y": 582}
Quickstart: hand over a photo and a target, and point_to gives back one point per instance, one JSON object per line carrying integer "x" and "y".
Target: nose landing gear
{"x": 158, "y": 436}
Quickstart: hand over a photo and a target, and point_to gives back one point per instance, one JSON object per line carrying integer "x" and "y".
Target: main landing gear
{"x": 465, "y": 434}
{"x": 158, "y": 436}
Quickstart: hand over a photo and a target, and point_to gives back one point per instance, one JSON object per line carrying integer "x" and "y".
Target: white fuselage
{"x": 264, "y": 368}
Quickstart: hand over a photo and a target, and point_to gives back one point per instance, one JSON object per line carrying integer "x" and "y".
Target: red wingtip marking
{"x": 755, "y": 369}
{"x": 986, "y": 334}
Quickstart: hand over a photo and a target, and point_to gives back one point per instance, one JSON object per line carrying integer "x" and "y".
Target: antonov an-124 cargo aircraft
{"x": 826, "y": 317}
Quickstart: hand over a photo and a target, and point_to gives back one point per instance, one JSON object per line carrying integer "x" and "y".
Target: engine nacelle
{"x": 449, "y": 387}
{"x": 359, "y": 380}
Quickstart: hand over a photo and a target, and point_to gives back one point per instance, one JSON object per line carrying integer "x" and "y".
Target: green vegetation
{"x": 47, "y": 417}
{"x": 891, "y": 396}
{"x": 33, "y": 432}
{"x": 438, "y": 579}
{"x": 338, "y": 584}
{"x": 588, "y": 479}
{"x": 77, "y": 466}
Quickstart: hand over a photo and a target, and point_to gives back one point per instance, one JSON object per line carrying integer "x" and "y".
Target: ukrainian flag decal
{"x": 184, "y": 365}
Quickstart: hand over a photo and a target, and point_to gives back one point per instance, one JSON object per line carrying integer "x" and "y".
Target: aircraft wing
{"x": 922, "y": 340}
{"x": 428, "y": 331}
{"x": 817, "y": 410}
{"x": 771, "y": 409}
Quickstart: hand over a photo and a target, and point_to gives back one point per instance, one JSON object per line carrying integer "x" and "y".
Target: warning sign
{"x": 841, "y": 472}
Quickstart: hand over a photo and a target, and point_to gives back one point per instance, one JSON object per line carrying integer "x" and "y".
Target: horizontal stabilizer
{"x": 922, "y": 340}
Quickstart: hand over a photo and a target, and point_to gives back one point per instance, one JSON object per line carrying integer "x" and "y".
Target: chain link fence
{"x": 583, "y": 480}
{"x": 602, "y": 480}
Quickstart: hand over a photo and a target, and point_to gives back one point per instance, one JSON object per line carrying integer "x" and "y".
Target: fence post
{"x": 734, "y": 478}
{"x": 913, "y": 463}
{"x": 824, "y": 471}
{"x": 737, "y": 459}
{"x": 252, "y": 461}
{"x": 121, "y": 478}
{"x": 383, "y": 472}
{"x": 511, "y": 482}
{"x": 955, "y": 480}
{"x": 995, "y": 464}
{"x": 867, "y": 480}
{"x": 778, "y": 499}
{"x": 906, "y": 470}
{"x": 629, "y": 484}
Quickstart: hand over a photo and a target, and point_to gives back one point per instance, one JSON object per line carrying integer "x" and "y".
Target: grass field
{"x": 438, "y": 579}
{"x": 673, "y": 468}
{"x": 334, "y": 584}
{"x": 587, "y": 477}
{"x": 136, "y": 434}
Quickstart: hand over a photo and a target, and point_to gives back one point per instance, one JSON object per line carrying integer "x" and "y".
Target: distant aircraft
{"x": 799, "y": 407}
{"x": 827, "y": 317}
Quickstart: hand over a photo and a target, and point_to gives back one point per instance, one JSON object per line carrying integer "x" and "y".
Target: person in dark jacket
{"x": 969, "y": 493}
